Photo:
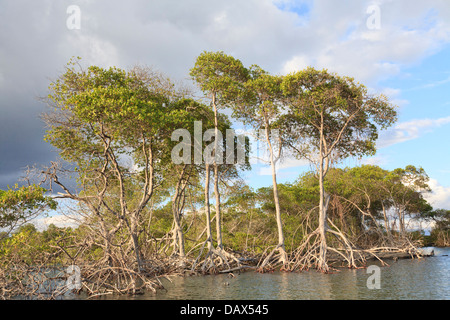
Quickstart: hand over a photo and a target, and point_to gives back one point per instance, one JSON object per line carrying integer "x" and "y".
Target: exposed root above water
{"x": 215, "y": 260}
{"x": 315, "y": 253}
{"x": 277, "y": 258}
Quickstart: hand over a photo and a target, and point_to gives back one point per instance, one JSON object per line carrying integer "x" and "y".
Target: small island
{"x": 152, "y": 178}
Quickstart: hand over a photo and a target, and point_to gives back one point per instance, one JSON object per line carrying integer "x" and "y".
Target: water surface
{"x": 426, "y": 278}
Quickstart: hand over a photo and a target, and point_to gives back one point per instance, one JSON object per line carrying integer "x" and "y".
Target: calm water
{"x": 427, "y": 278}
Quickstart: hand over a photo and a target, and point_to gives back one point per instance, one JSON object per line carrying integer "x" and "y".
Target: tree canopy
{"x": 18, "y": 205}
{"x": 142, "y": 151}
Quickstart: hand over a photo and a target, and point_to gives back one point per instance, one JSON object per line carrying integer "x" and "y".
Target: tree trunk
{"x": 207, "y": 209}
{"x": 218, "y": 213}
{"x": 137, "y": 251}
{"x": 323, "y": 202}
{"x": 323, "y": 205}
{"x": 135, "y": 240}
{"x": 216, "y": 177}
{"x": 178, "y": 232}
{"x": 275, "y": 192}
{"x": 176, "y": 211}
{"x": 107, "y": 243}
{"x": 282, "y": 256}
{"x": 386, "y": 223}
{"x": 401, "y": 221}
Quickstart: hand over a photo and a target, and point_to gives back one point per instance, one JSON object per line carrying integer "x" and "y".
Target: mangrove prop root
{"x": 273, "y": 261}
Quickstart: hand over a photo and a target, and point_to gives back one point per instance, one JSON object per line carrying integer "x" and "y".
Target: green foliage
{"x": 219, "y": 75}
{"x": 19, "y": 204}
{"x": 31, "y": 246}
{"x": 356, "y": 194}
{"x": 330, "y": 113}
{"x": 162, "y": 220}
{"x": 260, "y": 100}
{"x": 98, "y": 104}
{"x": 440, "y": 233}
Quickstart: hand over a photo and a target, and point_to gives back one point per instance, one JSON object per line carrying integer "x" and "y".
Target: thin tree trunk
{"x": 135, "y": 241}
{"x": 282, "y": 257}
{"x": 218, "y": 213}
{"x": 401, "y": 221}
{"x": 322, "y": 265}
{"x": 323, "y": 203}
{"x": 216, "y": 177}
{"x": 386, "y": 222}
{"x": 107, "y": 243}
{"x": 207, "y": 209}
{"x": 177, "y": 208}
{"x": 178, "y": 232}
{"x": 275, "y": 192}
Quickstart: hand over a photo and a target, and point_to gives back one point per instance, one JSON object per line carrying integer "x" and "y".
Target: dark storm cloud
{"x": 21, "y": 143}
{"x": 28, "y": 55}
{"x": 35, "y": 44}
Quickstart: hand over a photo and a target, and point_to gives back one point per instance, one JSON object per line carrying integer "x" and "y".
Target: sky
{"x": 400, "y": 48}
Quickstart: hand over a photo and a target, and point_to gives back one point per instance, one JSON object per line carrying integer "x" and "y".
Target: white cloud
{"x": 60, "y": 221}
{"x": 329, "y": 35}
{"x": 170, "y": 34}
{"x": 409, "y": 130}
{"x": 391, "y": 92}
{"x": 91, "y": 48}
{"x": 337, "y": 37}
{"x": 439, "y": 198}
{"x": 393, "y": 95}
{"x": 296, "y": 63}
{"x": 376, "y": 160}
{"x": 280, "y": 166}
